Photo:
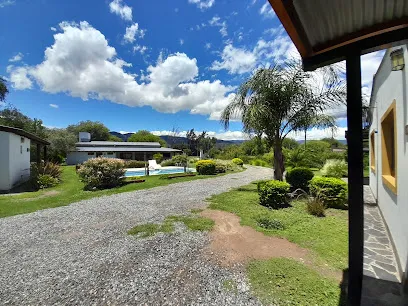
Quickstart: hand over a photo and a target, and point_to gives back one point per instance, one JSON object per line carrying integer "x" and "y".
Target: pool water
{"x": 164, "y": 170}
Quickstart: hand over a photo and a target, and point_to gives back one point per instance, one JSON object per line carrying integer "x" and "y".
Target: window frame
{"x": 389, "y": 177}
{"x": 372, "y": 152}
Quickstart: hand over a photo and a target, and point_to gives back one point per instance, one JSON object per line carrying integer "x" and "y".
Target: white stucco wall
{"x": 390, "y": 86}
{"x": 4, "y": 161}
{"x": 14, "y": 160}
{"x": 75, "y": 158}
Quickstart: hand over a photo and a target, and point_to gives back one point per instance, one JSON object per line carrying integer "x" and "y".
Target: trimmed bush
{"x": 46, "y": 181}
{"x": 273, "y": 194}
{"x": 134, "y": 164}
{"x": 331, "y": 191}
{"x": 334, "y": 155}
{"x": 315, "y": 207}
{"x": 158, "y": 157}
{"x": 220, "y": 168}
{"x": 206, "y": 167}
{"x": 299, "y": 177}
{"x": 238, "y": 161}
{"x": 334, "y": 168}
{"x": 101, "y": 172}
{"x": 167, "y": 162}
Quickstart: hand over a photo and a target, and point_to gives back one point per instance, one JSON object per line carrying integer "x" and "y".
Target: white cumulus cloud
{"x": 16, "y": 58}
{"x": 216, "y": 22}
{"x": 235, "y": 60}
{"x": 132, "y": 32}
{"x": 120, "y": 9}
{"x": 81, "y": 64}
{"x": 202, "y": 4}
{"x": 267, "y": 11}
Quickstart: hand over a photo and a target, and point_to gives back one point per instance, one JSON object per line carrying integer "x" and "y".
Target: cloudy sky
{"x": 139, "y": 64}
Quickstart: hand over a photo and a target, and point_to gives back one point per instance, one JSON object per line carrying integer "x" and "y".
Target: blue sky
{"x": 138, "y": 64}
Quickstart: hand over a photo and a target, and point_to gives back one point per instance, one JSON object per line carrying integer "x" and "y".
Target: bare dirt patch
{"x": 234, "y": 243}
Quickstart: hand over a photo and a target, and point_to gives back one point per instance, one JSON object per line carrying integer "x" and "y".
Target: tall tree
{"x": 61, "y": 142}
{"x": 11, "y": 116}
{"x": 97, "y": 129}
{"x": 275, "y": 101}
{"x": 146, "y": 136}
{"x": 192, "y": 141}
{"x": 3, "y": 89}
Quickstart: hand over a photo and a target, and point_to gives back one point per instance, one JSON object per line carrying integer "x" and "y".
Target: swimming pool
{"x": 164, "y": 170}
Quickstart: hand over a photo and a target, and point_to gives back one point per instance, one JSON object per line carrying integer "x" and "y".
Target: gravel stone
{"x": 81, "y": 254}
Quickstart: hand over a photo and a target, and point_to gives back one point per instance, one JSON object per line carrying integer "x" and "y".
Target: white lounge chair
{"x": 153, "y": 165}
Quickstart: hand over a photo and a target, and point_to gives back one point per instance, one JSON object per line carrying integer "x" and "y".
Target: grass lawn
{"x": 283, "y": 281}
{"x": 326, "y": 237}
{"x": 71, "y": 190}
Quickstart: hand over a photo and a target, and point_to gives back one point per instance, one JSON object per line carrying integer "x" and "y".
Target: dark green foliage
{"x": 259, "y": 162}
{"x": 97, "y": 129}
{"x": 158, "y": 157}
{"x": 46, "y": 181}
{"x": 115, "y": 138}
{"x": 146, "y": 136}
{"x": 299, "y": 177}
{"x": 3, "y": 89}
{"x": 271, "y": 224}
{"x": 334, "y": 155}
{"x": 290, "y": 143}
{"x": 331, "y": 191}
{"x": 134, "y": 164}
{"x": 220, "y": 168}
{"x": 273, "y": 194}
{"x": 238, "y": 161}
{"x": 205, "y": 167}
{"x": 61, "y": 142}
{"x": 315, "y": 207}
{"x": 313, "y": 157}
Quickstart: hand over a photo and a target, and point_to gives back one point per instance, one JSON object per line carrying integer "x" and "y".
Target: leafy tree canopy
{"x": 11, "y": 116}
{"x": 3, "y": 89}
{"x": 290, "y": 143}
{"x": 115, "y": 138}
{"x": 97, "y": 129}
{"x": 61, "y": 142}
{"x": 146, "y": 136}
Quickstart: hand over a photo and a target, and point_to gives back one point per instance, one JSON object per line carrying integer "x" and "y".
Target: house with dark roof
{"x": 15, "y": 146}
{"x": 86, "y": 149}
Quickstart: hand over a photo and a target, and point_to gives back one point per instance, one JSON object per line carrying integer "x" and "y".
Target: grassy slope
{"x": 326, "y": 237}
{"x": 71, "y": 190}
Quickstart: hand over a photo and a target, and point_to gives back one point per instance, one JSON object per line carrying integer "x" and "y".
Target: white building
{"x": 86, "y": 149}
{"x": 15, "y": 156}
{"x": 389, "y": 148}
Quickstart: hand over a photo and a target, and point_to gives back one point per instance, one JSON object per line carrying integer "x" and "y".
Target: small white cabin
{"x": 15, "y": 156}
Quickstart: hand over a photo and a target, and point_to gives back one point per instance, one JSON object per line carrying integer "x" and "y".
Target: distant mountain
{"x": 172, "y": 140}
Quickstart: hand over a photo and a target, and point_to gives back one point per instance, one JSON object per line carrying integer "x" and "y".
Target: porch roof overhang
{"x": 20, "y": 132}
{"x": 325, "y": 32}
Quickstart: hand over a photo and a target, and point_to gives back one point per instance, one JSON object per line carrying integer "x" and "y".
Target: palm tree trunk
{"x": 279, "y": 167}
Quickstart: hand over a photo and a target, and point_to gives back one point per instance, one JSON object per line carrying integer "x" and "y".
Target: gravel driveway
{"x": 80, "y": 254}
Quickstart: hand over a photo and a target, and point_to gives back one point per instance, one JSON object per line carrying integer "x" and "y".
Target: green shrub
{"x": 158, "y": 157}
{"x": 334, "y": 168}
{"x": 299, "y": 177}
{"x": 315, "y": 207}
{"x": 334, "y": 155}
{"x": 101, "y": 172}
{"x": 167, "y": 162}
{"x": 205, "y": 167}
{"x": 134, "y": 164}
{"x": 267, "y": 223}
{"x": 46, "y": 181}
{"x": 259, "y": 184}
{"x": 268, "y": 157}
{"x": 45, "y": 175}
{"x": 258, "y": 162}
{"x": 331, "y": 191}
{"x": 273, "y": 194}
{"x": 238, "y": 161}
{"x": 220, "y": 168}
{"x": 180, "y": 159}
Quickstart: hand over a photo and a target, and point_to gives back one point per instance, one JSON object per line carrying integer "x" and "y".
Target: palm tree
{"x": 278, "y": 100}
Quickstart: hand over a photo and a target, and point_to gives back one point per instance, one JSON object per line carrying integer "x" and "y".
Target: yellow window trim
{"x": 372, "y": 151}
{"x": 389, "y": 180}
